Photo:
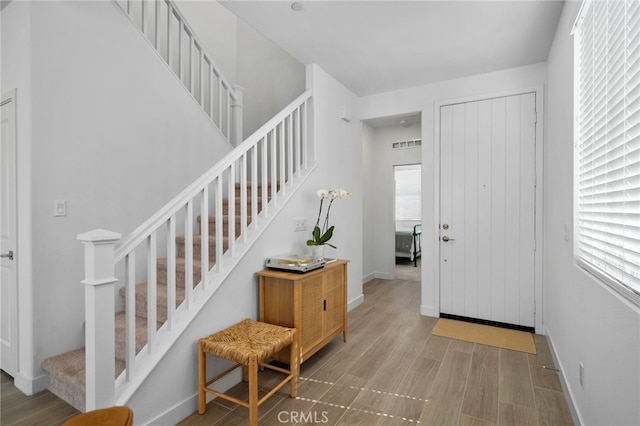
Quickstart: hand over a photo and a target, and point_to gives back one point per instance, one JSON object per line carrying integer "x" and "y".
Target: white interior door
{"x": 487, "y": 216}
{"x": 8, "y": 277}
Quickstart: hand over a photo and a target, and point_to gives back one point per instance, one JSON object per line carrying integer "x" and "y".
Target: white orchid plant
{"x": 321, "y": 236}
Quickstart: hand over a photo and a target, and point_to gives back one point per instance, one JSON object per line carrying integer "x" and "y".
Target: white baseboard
{"x": 384, "y": 276}
{"x": 368, "y": 277}
{"x": 428, "y": 311}
{"x": 177, "y": 413}
{"x": 30, "y": 385}
{"x": 184, "y": 409}
{"x": 575, "y": 414}
{"x": 374, "y": 275}
{"x": 355, "y": 302}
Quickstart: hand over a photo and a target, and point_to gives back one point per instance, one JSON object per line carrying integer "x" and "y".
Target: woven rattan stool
{"x": 249, "y": 344}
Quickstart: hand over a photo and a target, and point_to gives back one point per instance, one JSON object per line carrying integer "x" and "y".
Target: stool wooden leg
{"x": 294, "y": 359}
{"x": 202, "y": 373}
{"x": 253, "y": 391}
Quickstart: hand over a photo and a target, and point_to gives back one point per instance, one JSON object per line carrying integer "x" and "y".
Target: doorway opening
{"x": 388, "y": 142}
{"x": 408, "y": 213}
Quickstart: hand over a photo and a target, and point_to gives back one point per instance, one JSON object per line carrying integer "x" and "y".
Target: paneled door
{"x": 8, "y": 280}
{"x": 487, "y": 209}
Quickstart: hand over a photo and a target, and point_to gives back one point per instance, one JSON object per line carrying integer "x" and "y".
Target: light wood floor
{"x": 43, "y": 408}
{"x": 392, "y": 371}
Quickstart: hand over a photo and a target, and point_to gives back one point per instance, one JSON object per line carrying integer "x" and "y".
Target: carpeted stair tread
{"x": 141, "y": 334}
{"x": 161, "y": 300}
{"x": 225, "y": 224}
{"x": 197, "y": 243}
{"x": 161, "y": 272}
{"x": 180, "y": 263}
{"x": 198, "y": 239}
{"x": 258, "y": 187}
{"x": 67, "y": 376}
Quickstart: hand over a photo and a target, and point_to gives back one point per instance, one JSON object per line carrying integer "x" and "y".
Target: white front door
{"x": 487, "y": 216}
{"x": 8, "y": 225}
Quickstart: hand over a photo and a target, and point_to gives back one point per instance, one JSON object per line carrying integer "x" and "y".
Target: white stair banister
{"x": 222, "y": 244}
{"x": 99, "y": 308}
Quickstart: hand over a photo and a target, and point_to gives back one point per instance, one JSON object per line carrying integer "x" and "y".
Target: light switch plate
{"x": 59, "y": 208}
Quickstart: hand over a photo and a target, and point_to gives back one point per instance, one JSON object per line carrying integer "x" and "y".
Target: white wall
{"x": 271, "y": 77}
{"x": 109, "y": 130}
{"x": 339, "y": 155}
{"x": 16, "y": 74}
{"x": 423, "y": 99}
{"x": 216, "y": 29}
{"x": 369, "y": 194}
{"x": 586, "y": 322}
{"x": 379, "y": 236}
{"x": 338, "y": 150}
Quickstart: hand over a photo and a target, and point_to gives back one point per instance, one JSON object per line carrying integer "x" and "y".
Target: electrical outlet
{"x": 300, "y": 224}
{"x": 581, "y": 367}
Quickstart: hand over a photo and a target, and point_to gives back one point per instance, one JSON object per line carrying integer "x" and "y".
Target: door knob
{"x": 445, "y": 239}
{"x": 8, "y": 255}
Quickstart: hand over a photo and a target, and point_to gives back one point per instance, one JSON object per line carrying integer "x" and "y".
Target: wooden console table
{"x": 314, "y": 302}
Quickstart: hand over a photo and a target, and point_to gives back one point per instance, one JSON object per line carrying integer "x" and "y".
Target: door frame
{"x": 10, "y": 97}
{"x": 538, "y": 294}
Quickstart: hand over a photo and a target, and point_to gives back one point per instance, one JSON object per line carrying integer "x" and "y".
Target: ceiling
{"x": 379, "y": 46}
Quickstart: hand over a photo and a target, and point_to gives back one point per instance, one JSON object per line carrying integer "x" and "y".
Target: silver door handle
{"x": 445, "y": 239}
{"x": 9, "y": 255}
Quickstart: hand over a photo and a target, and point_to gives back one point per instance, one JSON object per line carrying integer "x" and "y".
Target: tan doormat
{"x": 485, "y": 335}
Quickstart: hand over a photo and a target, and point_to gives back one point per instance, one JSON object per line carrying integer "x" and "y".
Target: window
{"x": 408, "y": 192}
{"x": 414, "y": 143}
{"x": 607, "y": 143}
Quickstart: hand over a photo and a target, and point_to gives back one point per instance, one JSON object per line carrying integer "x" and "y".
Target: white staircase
{"x": 163, "y": 272}
{"x": 143, "y": 291}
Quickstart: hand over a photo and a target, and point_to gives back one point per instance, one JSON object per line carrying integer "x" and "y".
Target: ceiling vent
{"x": 413, "y": 143}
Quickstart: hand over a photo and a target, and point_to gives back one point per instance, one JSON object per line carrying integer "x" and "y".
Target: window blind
{"x": 607, "y": 151}
{"x": 408, "y": 192}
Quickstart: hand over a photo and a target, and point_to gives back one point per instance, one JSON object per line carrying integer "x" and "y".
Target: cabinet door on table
{"x": 335, "y": 303}
{"x": 311, "y": 312}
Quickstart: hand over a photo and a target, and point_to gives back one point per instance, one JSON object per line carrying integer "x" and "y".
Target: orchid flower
{"x": 322, "y": 236}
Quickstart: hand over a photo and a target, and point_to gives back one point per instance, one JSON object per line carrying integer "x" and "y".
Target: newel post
{"x": 99, "y": 305}
{"x": 236, "y": 110}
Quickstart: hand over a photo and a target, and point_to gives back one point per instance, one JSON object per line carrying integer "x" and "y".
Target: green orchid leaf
{"x": 327, "y": 235}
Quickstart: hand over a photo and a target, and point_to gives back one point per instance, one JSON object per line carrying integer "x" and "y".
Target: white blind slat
{"x": 607, "y": 148}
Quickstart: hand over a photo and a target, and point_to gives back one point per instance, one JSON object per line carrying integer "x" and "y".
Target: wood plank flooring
{"x": 392, "y": 371}
{"x": 43, "y": 408}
